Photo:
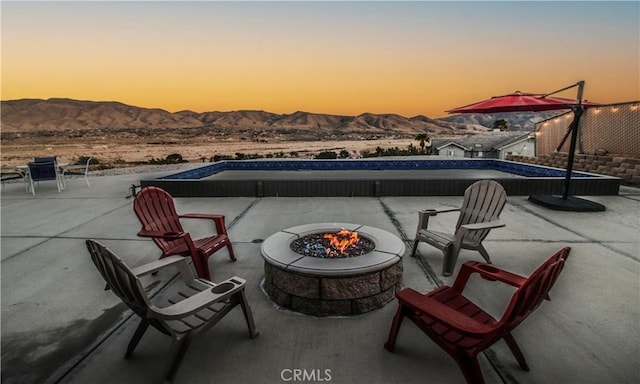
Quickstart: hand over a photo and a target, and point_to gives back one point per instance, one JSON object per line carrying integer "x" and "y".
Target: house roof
{"x": 484, "y": 142}
{"x": 449, "y": 143}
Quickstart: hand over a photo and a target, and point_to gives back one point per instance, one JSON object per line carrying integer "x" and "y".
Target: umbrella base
{"x": 572, "y": 203}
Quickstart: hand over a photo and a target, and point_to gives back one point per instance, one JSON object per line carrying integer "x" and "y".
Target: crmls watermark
{"x": 305, "y": 375}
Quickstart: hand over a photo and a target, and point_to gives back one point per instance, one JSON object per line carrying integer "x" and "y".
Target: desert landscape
{"x": 120, "y": 135}
{"x": 122, "y": 154}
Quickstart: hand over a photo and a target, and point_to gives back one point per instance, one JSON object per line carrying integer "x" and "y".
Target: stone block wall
{"x": 322, "y": 295}
{"x": 626, "y": 168}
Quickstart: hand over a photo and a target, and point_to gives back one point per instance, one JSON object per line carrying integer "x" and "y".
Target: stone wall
{"x": 626, "y": 168}
{"x": 322, "y": 295}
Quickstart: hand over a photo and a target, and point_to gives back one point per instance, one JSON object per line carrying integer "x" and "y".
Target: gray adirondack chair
{"x": 480, "y": 211}
{"x": 197, "y": 305}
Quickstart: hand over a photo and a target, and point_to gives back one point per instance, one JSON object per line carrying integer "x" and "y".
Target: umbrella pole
{"x": 575, "y": 125}
{"x": 566, "y": 203}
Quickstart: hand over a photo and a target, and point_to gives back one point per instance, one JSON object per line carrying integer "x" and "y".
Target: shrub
{"x": 175, "y": 158}
{"x": 217, "y": 158}
{"x": 327, "y": 155}
{"x": 83, "y": 160}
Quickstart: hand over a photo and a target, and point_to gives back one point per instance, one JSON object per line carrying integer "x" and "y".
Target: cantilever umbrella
{"x": 531, "y": 102}
{"x": 519, "y": 102}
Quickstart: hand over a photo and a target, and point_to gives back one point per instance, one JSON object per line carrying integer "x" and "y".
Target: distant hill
{"x": 58, "y": 114}
{"x": 520, "y": 121}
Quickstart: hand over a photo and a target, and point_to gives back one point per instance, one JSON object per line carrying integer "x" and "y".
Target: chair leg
{"x": 142, "y": 327}
{"x": 248, "y": 314}
{"x": 415, "y": 247}
{"x": 470, "y": 368}
{"x": 176, "y": 353}
{"x": 232, "y": 256}
{"x": 515, "y": 349}
{"x": 201, "y": 264}
{"x": 484, "y": 253}
{"x": 450, "y": 252}
{"x": 395, "y": 327}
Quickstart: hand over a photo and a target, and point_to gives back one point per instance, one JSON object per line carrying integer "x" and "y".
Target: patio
{"x": 60, "y": 326}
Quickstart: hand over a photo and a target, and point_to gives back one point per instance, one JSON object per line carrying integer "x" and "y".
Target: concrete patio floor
{"x": 60, "y": 326}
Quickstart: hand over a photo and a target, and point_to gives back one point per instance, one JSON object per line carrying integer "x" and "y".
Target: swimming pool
{"x": 374, "y": 177}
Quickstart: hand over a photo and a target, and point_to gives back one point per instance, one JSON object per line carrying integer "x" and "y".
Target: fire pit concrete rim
{"x": 276, "y": 251}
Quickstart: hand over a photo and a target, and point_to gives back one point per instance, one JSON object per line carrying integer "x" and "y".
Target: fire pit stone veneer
{"x": 332, "y": 286}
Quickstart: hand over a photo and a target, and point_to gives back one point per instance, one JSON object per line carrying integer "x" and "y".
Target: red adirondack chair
{"x": 160, "y": 221}
{"x": 462, "y": 328}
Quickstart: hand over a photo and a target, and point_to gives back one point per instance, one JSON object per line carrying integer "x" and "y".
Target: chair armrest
{"x": 198, "y": 301}
{"x": 201, "y": 216}
{"x": 434, "y": 212}
{"x": 425, "y": 214}
{"x": 163, "y": 235}
{"x": 157, "y": 265}
{"x": 487, "y": 272}
{"x": 218, "y": 220}
{"x": 442, "y": 313}
{"x": 73, "y": 167}
{"x": 482, "y": 226}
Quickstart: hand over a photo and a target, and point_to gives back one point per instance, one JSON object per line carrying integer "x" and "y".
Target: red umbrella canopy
{"x": 520, "y": 102}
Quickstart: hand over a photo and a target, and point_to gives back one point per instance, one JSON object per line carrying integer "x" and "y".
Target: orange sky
{"x": 408, "y": 58}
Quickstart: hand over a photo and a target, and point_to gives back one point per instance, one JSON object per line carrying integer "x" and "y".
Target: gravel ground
{"x": 145, "y": 169}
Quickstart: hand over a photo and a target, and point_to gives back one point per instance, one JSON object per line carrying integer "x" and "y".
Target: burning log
{"x": 341, "y": 244}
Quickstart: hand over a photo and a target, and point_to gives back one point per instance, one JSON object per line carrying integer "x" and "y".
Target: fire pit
{"x": 332, "y": 269}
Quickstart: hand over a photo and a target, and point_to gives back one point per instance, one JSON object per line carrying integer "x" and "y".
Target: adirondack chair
{"x": 156, "y": 211}
{"x": 462, "y": 328}
{"x": 480, "y": 211}
{"x": 197, "y": 306}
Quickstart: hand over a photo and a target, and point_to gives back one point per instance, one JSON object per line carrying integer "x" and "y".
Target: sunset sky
{"x": 409, "y": 58}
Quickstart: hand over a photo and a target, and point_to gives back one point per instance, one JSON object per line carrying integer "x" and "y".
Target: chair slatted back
{"x": 536, "y": 288}
{"x": 122, "y": 281}
{"x": 43, "y": 171}
{"x": 156, "y": 211}
{"x": 483, "y": 201}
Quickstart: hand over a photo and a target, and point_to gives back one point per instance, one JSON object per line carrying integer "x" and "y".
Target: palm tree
{"x": 423, "y": 138}
{"x": 501, "y": 124}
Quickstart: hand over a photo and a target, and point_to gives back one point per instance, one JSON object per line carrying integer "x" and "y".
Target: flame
{"x": 340, "y": 241}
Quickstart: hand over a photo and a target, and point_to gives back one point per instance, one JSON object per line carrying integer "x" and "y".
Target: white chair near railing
{"x": 76, "y": 170}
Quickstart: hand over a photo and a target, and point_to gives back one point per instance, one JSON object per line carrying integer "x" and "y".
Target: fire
{"x": 341, "y": 241}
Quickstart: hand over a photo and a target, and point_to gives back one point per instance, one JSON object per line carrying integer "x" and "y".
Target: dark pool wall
{"x": 547, "y": 181}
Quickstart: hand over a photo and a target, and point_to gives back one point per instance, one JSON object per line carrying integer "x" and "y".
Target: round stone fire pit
{"x": 332, "y": 286}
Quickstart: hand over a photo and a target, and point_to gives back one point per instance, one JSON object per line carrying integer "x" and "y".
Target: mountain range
{"x": 30, "y": 116}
